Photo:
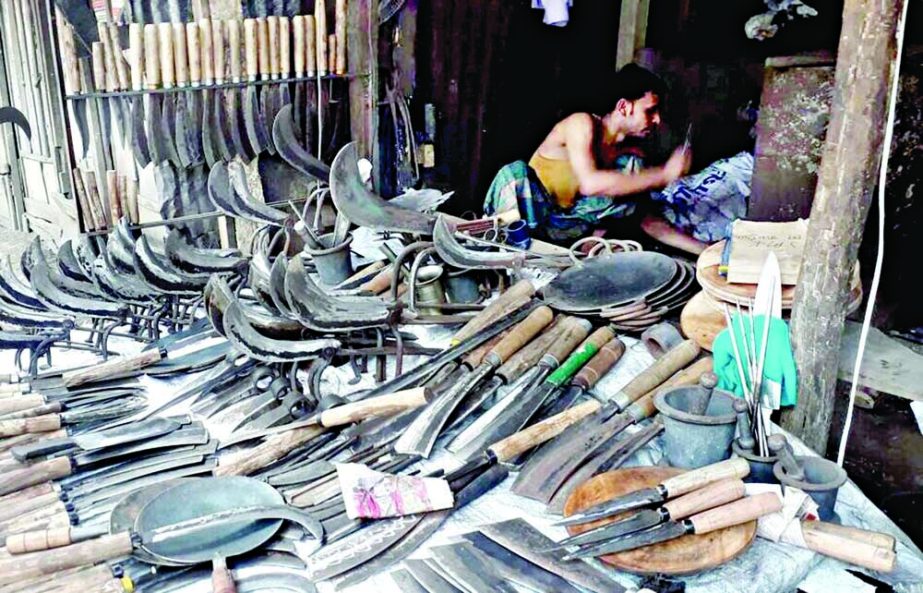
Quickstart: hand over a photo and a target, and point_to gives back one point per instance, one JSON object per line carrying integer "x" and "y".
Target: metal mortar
{"x": 822, "y": 481}
{"x": 692, "y": 437}
{"x": 760, "y": 467}
{"x": 429, "y": 289}
{"x": 334, "y": 263}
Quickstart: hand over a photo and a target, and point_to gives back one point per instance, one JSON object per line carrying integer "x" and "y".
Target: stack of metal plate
{"x": 631, "y": 290}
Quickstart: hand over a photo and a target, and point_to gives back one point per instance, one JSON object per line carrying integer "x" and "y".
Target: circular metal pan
{"x": 609, "y": 280}
{"x": 205, "y": 496}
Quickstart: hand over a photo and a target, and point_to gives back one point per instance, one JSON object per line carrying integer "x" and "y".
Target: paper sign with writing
{"x": 752, "y": 241}
{"x": 370, "y": 494}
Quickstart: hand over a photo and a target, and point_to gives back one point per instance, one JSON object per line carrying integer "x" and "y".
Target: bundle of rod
{"x": 750, "y": 363}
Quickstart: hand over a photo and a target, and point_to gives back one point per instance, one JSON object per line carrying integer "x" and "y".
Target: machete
{"x": 421, "y": 435}
{"x": 516, "y": 568}
{"x": 544, "y": 473}
{"x": 100, "y": 439}
{"x": 669, "y": 488}
{"x": 738, "y": 512}
{"x": 519, "y": 406}
{"x": 709, "y": 497}
{"x": 467, "y": 566}
{"x": 52, "y": 422}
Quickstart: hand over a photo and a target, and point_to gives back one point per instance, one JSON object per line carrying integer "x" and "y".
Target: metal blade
{"x": 194, "y": 126}
{"x": 152, "y": 128}
{"x": 527, "y": 542}
{"x": 421, "y": 435}
{"x": 269, "y": 101}
{"x": 209, "y": 148}
{"x": 254, "y": 123}
{"x": 638, "y": 521}
{"x": 168, "y": 126}
{"x": 232, "y": 105}
{"x": 124, "y": 434}
{"x": 139, "y": 141}
{"x": 193, "y": 435}
{"x": 182, "y": 468}
{"x": 221, "y": 132}
{"x": 550, "y": 466}
{"x": 467, "y": 566}
{"x": 285, "y": 140}
{"x": 183, "y": 132}
{"x": 637, "y": 499}
{"x": 518, "y": 569}
{"x": 406, "y": 582}
{"x": 665, "y": 532}
{"x": 116, "y": 409}
{"x": 431, "y": 580}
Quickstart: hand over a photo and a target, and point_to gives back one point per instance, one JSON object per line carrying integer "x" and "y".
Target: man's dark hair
{"x": 633, "y": 82}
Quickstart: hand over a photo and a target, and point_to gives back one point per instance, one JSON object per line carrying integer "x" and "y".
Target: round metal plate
{"x": 609, "y": 280}
{"x": 204, "y": 496}
{"x": 124, "y": 514}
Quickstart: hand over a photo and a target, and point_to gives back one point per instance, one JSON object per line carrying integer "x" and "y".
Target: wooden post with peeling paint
{"x": 846, "y": 185}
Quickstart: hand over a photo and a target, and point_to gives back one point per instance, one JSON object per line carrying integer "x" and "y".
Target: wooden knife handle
{"x": 601, "y": 363}
{"x": 476, "y": 356}
{"x": 35, "y": 473}
{"x": 165, "y": 41}
{"x": 272, "y": 30}
{"x": 331, "y": 53}
{"x": 736, "y": 513}
{"x": 121, "y": 68}
{"x": 47, "y": 423}
{"x": 23, "y": 502}
{"x": 101, "y": 549}
{"x": 859, "y": 550}
{"x": 207, "y": 52}
{"x": 697, "y": 478}
{"x": 98, "y": 61}
{"x": 37, "y": 541}
{"x": 250, "y": 49}
{"x": 298, "y": 45}
{"x": 234, "y": 64}
{"x": 285, "y": 47}
{"x": 540, "y": 432}
{"x": 111, "y": 76}
{"x": 573, "y": 333}
{"x": 709, "y": 497}
{"x": 674, "y": 360}
{"x": 310, "y": 46}
{"x": 136, "y": 55}
{"x": 151, "y": 57}
{"x": 872, "y": 538}
{"x": 528, "y": 356}
{"x": 512, "y": 299}
{"x": 383, "y": 405}
{"x": 194, "y": 49}
{"x": 36, "y": 491}
{"x": 524, "y": 331}
{"x": 320, "y": 35}
{"x": 340, "y": 28}
{"x": 274, "y": 448}
{"x": 219, "y": 51}
{"x": 180, "y": 54}
{"x": 8, "y": 405}
{"x": 382, "y": 280}
{"x": 262, "y": 48}
{"x": 644, "y": 406}
{"x": 112, "y": 368}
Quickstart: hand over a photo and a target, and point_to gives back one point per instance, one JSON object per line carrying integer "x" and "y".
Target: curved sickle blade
{"x": 11, "y": 115}
{"x": 283, "y": 135}
{"x": 364, "y": 207}
{"x": 254, "y": 122}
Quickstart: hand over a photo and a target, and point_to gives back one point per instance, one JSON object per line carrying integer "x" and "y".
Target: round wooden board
{"x": 684, "y": 555}
{"x": 701, "y": 321}
{"x": 706, "y": 272}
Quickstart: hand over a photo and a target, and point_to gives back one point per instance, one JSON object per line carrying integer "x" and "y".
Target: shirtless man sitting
{"x": 587, "y": 168}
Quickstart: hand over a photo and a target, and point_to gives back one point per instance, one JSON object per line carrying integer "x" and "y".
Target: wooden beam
{"x": 362, "y": 64}
{"x": 846, "y": 182}
{"x": 632, "y": 30}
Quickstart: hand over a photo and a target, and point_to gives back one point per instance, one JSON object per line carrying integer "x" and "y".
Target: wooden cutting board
{"x": 701, "y": 320}
{"x": 684, "y": 555}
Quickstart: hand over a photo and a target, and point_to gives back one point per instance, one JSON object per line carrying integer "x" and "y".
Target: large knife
{"x": 86, "y": 414}
{"x": 709, "y": 497}
{"x": 669, "y": 488}
{"x": 735, "y": 513}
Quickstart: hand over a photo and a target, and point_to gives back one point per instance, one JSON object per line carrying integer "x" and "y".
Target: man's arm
{"x": 600, "y": 182}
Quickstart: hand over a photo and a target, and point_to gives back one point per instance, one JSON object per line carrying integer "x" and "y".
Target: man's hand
{"x": 678, "y": 164}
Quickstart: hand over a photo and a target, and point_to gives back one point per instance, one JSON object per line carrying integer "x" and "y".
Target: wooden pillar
{"x": 632, "y": 30}
{"x": 846, "y": 185}
{"x": 362, "y": 58}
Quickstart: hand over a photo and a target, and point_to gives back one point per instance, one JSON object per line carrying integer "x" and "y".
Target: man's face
{"x": 641, "y": 116}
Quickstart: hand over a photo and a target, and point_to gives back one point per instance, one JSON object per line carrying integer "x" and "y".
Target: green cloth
{"x": 780, "y": 380}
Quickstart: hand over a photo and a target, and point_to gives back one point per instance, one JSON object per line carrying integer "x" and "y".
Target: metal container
{"x": 694, "y": 438}
{"x": 822, "y": 481}
{"x": 461, "y": 286}
{"x": 428, "y": 289}
{"x": 760, "y": 467}
{"x": 334, "y": 263}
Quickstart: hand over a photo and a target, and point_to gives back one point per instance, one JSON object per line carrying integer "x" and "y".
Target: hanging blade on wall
{"x": 232, "y": 95}
{"x": 221, "y": 133}
{"x": 139, "y": 138}
{"x": 254, "y": 123}
{"x": 206, "y": 52}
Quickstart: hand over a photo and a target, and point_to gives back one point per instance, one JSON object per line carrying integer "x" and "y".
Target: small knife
{"x": 687, "y": 505}
{"x": 736, "y": 513}
{"x": 669, "y": 488}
